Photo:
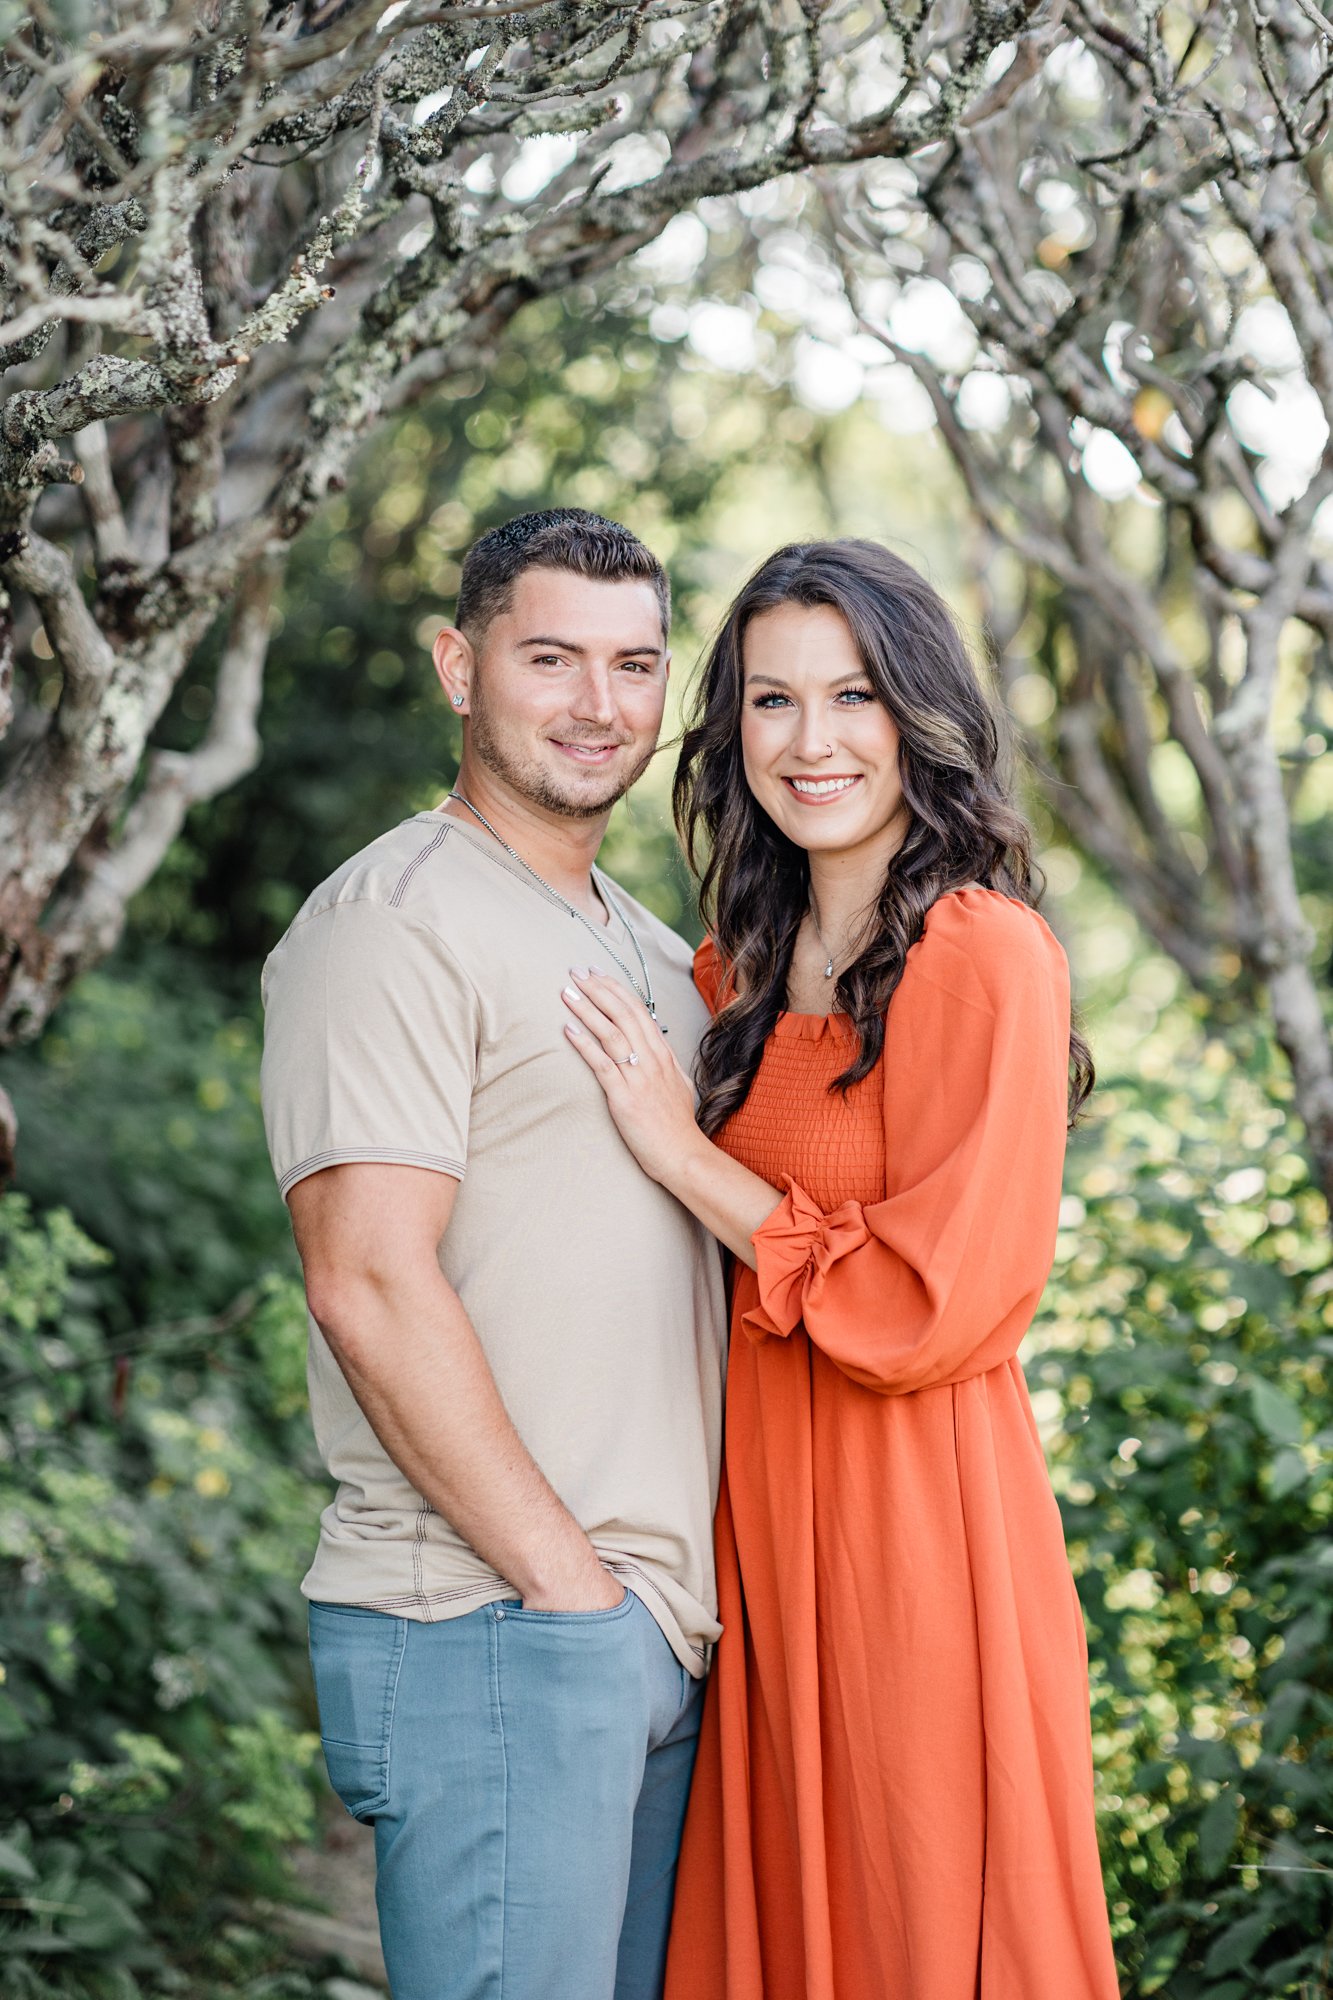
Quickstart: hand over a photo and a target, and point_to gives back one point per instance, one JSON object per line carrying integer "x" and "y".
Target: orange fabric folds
{"x": 894, "y": 1790}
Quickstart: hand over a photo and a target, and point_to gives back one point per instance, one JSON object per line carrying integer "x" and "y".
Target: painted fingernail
{"x": 569, "y": 993}
{"x": 573, "y": 1028}
{"x": 597, "y": 972}
{"x": 579, "y": 971}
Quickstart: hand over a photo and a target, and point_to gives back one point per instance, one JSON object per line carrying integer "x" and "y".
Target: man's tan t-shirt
{"x": 413, "y": 1015}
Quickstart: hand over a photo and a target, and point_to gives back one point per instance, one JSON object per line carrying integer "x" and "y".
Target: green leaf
{"x": 1304, "y": 1634}
{"x": 101, "y": 1921}
{"x": 13, "y": 1723}
{"x": 1276, "y": 1415}
{"x": 1283, "y": 1714}
{"x": 36, "y": 1944}
{"x": 1289, "y": 1472}
{"x": 15, "y": 1864}
{"x": 1217, "y": 1831}
{"x": 1238, "y": 1941}
{"x": 1162, "y": 1960}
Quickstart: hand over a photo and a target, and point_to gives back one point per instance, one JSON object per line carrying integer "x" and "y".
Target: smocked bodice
{"x": 791, "y": 1123}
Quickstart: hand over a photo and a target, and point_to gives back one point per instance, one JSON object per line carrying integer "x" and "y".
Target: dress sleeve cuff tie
{"x": 796, "y": 1247}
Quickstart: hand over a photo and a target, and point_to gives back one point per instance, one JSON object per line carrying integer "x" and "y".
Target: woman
{"x": 893, "y": 1799}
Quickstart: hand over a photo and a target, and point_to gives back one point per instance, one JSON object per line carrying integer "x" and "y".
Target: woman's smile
{"x": 819, "y": 791}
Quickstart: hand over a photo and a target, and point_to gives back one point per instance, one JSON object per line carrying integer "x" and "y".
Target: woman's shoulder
{"x": 982, "y": 945}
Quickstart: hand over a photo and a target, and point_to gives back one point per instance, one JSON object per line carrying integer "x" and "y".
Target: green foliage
{"x": 156, "y": 1510}
{"x": 1184, "y": 1367}
{"x": 156, "y": 1506}
{"x": 140, "y": 1110}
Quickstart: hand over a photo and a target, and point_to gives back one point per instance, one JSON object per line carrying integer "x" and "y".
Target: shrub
{"x": 156, "y": 1504}
{"x": 1183, "y": 1363}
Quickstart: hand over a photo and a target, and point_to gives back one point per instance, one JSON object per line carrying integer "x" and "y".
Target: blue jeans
{"x": 526, "y": 1774}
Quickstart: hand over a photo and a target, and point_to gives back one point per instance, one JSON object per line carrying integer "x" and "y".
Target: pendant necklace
{"x": 645, "y": 992}
{"x": 823, "y": 945}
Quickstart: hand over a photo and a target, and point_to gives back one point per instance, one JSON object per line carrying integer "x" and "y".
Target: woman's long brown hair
{"x": 754, "y": 883}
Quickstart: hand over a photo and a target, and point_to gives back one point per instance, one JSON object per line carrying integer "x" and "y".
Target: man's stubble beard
{"x": 532, "y": 783}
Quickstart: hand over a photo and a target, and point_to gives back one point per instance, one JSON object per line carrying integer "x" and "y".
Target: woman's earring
{"x": 457, "y": 701}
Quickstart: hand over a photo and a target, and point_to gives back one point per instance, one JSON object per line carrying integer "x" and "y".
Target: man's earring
{"x": 457, "y": 700}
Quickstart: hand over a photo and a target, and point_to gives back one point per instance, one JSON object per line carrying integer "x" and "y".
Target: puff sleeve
{"x": 939, "y": 1281}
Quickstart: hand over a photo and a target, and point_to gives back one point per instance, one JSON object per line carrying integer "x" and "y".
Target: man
{"x": 516, "y": 1337}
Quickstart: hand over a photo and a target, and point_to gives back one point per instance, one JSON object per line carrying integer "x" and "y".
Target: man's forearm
{"x": 413, "y": 1361}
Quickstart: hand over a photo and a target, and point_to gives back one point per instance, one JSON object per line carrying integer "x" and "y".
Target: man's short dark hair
{"x": 567, "y": 538}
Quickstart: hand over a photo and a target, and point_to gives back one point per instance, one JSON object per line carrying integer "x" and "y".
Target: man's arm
{"x": 368, "y": 1237}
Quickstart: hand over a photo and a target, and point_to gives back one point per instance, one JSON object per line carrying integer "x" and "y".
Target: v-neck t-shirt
{"x": 413, "y": 1016}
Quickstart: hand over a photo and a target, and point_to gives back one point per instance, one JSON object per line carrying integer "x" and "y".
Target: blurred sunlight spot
{"x": 904, "y": 406}
{"x": 983, "y": 401}
{"x": 1032, "y": 699}
{"x": 1136, "y": 1590}
{"x": 723, "y": 335}
{"x": 1264, "y": 331}
{"x": 1243, "y": 1185}
{"x": 1113, "y": 353}
{"x": 1107, "y": 948}
{"x": 1062, "y": 868}
{"x": 668, "y": 321}
{"x": 998, "y": 61}
{"x": 1048, "y": 1410}
{"x": 638, "y": 157}
{"x": 1056, "y": 197}
{"x": 781, "y": 288}
{"x": 480, "y": 176}
{"x": 927, "y": 318}
{"x": 1108, "y": 467}
{"x": 677, "y": 253}
{"x": 1074, "y": 64}
{"x": 969, "y": 277}
{"x": 1072, "y": 1211}
{"x": 391, "y": 13}
{"x": 426, "y": 107}
{"x": 539, "y": 161}
{"x": 1287, "y": 426}
{"x": 826, "y": 378}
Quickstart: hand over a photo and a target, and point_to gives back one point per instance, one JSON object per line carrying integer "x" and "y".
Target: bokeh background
{"x": 158, "y": 1491}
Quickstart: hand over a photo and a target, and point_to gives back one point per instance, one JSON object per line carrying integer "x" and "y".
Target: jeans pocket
{"x": 356, "y": 1657}
{"x": 574, "y": 1619}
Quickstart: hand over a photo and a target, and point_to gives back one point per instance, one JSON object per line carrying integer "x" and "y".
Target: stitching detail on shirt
{"x": 448, "y": 1596}
{"x": 342, "y": 1156}
{"x": 418, "y": 1577}
{"x": 441, "y": 834}
{"x": 632, "y": 1568}
{"x": 405, "y": 1598}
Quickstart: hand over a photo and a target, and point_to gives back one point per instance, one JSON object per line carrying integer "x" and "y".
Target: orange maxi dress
{"x": 893, "y": 1798}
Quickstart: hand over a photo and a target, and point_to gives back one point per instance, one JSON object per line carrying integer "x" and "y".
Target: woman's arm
{"x": 939, "y": 1280}
{"x": 652, "y": 1102}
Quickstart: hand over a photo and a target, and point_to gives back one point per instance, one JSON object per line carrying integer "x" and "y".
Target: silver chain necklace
{"x": 828, "y": 969}
{"x": 645, "y": 992}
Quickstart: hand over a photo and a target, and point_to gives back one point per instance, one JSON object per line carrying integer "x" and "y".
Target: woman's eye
{"x": 857, "y": 696}
{"x": 769, "y": 700}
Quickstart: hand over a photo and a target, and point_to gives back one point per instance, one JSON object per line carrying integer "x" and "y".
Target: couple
{"x": 513, "y": 1125}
